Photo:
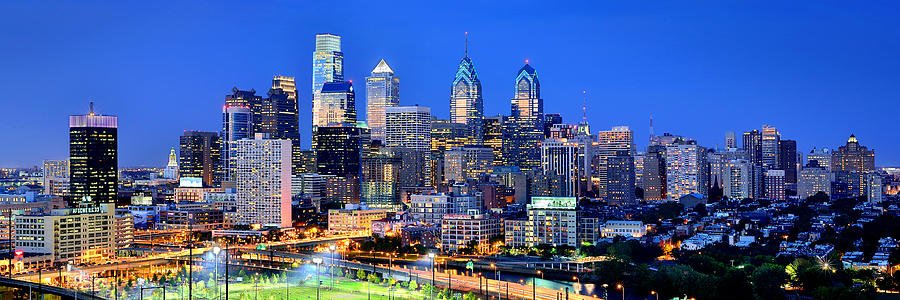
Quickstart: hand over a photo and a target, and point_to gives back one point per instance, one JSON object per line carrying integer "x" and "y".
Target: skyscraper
{"x": 93, "y": 159}
{"x": 813, "y": 178}
{"x": 787, "y": 160}
{"x": 445, "y": 135}
{"x": 494, "y": 129}
{"x": 567, "y": 163}
{"x": 380, "y": 181}
{"x": 408, "y": 131}
{"x": 466, "y": 104}
{"x": 683, "y": 170}
{"x": 730, "y": 140}
{"x": 820, "y": 155}
{"x": 200, "y": 157}
{"x": 769, "y": 147}
{"x": 382, "y": 91}
{"x": 549, "y": 121}
{"x": 850, "y": 164}
{"x": 609, "y": 142}
{"x": 620, "y": 178}
{"x": 250, "y": 100}
{"x": 654, "y": 175}
{"x": 337, "y": 105}
{"x": 263, "y": 181}
{"x": 280, "y": 117}
{"x": 328, "y": 66}
{"x": 736, "y": 179}
{"x": 339, "y": 150}
{"x": 753, "y": 146}
{"x": 775, "y": 185}
{"x": 237, "y": 124}
{"x": 525, "y": 129}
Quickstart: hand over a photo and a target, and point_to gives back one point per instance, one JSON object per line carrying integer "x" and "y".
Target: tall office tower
{"x": 339, "y": 150}
{"x": 730, "y": 140}
{"x": 467, "y": 162}
{"x": 639, "y": 169}
{"x": 380, "y": 182}
{"x": 494, "y": 128}
{"x": 200, "y": 157}
{"x": 567, "y": 162}
{"x": 56, "y": 177}
{"x": 850, "y": 163}
{"x": 409, "y": 130}
{"x": 718, "y": 161}
{"x": 822, "y": 156}
{"x": 525, "y": 130}
{"x": 814, "y": 178}
{"x": 736, "y": 179}
{"x": 263, "y": 181}
{"x": 281, "y": 117}
{"x": 93, "y": 159}
{"x": 683, "y": 170}
{"x": 549, "y": 121}
{"x": 775, "y": 185}
{"x": 620, "y": 178}
{"x": 250, "y": 100}
{"x": 654, "y": 176}
{"x": 328, "y": 66}
{"x": 466, "y": 104}
{"x": 237, "y": 124}
{"x": 307, "y": 162}
{"x": 337, "y": 105}
{"x": 171, "y": 170}
{"x": 769, "y": 147}
{"x": 787, "y": 160}
{"x": 753, "y": 146}
{"x": 609, "y": 142}
{"x": 445, "y": 135}
{"x": 382, "y": 91}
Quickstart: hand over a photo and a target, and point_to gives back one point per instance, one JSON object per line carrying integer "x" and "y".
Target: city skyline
{"x": 626, "y": 93}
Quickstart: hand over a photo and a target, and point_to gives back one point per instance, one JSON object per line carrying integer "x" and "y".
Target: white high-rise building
{"x": 683, "y": 171}
{"x": 262, "y": 169}
{"x": 382, "y": 92}
{"x": 812, "y": 180}
{"x": 619, "y": 138}
{"x": 56, "y": 177}
{"x": 407, "y": 127}
{"x": 171, "y": 170}
{"x": 874, "y": 188}
{"x": 736, "y": 179}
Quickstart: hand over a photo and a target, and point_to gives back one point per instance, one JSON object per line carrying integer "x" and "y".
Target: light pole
{"x": 534, "y": 286}
{"x": 331, "y": 248}
{"x": 216, "y": 251}
{"x": 431, "y": 292}
{"x": 654, "y": 293}
{"x": 497, "y": 275}
{"x": 621, "y": 287}
{"x": 317, "y": 261}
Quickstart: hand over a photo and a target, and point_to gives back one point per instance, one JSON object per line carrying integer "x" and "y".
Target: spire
{"x": 467, "y": 44}
{"x": 584, "y": 106}
{"x": 651, "y": 127}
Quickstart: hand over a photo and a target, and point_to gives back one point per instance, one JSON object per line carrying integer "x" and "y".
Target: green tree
{"x": 469, "y": 296}
{"x": 361, "y": 274}
{"x": 768, "y": 280}
{"x": 413, "y": 285}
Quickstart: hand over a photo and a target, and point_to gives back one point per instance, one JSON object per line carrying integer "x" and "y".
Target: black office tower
{"x": 200, "y": 157}
{"x": 93, "y": 159}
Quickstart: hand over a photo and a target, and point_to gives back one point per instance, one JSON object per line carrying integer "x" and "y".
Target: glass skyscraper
{"x": 200, "y": 157}
{"x": 466, "y": 104}
{"x": 337, "y": 105}
{"x": 382, "y": 91}
{"x": 525, "y": 129}
{"x": 93, "y": 159}
{"x": 328, "y": 66}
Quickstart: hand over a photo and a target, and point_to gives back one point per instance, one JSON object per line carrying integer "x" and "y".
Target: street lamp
{"x": 331, "y": 248}
{"x": 216, "y": 251}
{"x": 654, "y": 293}
{"x": 318, "y": 261}
{"x": 431, "y": 256}
{"x": 533, "y": 285}
{"x": 621, "y": 287}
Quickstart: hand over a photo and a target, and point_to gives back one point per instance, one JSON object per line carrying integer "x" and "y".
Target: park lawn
{"x": 344, "y": 289}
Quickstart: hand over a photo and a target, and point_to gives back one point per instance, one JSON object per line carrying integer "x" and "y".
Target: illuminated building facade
{"x": 459, "y": 230}
{"x": 787, "y": 161}
{"x": 466, "y": 103}
{"x": 171, "y": 170}
{"x": 813, "y": 178}
{"x": 774, "y": 185}
{"x": 63, "y": 233}
{"x": 736, "y": 179}
{"x": 328, "y": 66}
{"x": 56, "y": 177}
{"x": 524, "y": 131}
{"x": 684, "y": 174}
{"x": 494, "y": 129}
{"x": 339, "y": 150}
{"x": 263, "y": 181}
{"x": 337, "y": 105}
{"x": 820, "y": 155}
{"x": 93, "y": 159}
{"x": 553, "y": 221}
{"x": 467, "y": 162}
{"x": 200, "y": 157}
{"x": 620, "y": 178}
{"x": 380, "y": 181}
{"x": 653, "y": 178}
{"x": 769, "y": 141}
{"x": 752, "y": 144}
{"x": 567, "y": 162}
{"x": 549, "y": 121}
{"x": 354, "y": 219}
{"x": 850, "y": 164}
{"x": 382, "y": 92}
{"x": 609, "y": 143}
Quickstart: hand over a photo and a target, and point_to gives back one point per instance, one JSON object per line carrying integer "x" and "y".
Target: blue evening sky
{"x": 817, "y": 70}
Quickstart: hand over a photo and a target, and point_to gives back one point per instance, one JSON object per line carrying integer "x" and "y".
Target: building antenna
{"x": 584, "y": 106}
{"x": 651, "y": 127}
{"x": 92, "y": 107}
{"x": 467, "y": 43}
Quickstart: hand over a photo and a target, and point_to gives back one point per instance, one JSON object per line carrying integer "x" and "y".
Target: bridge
{"x": 18, "y": 289}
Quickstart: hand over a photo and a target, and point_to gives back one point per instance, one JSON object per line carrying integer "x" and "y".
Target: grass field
{"x": 343, "y": 289}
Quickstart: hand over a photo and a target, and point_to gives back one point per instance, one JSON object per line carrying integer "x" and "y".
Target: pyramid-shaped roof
{"x": 382, "y": 67}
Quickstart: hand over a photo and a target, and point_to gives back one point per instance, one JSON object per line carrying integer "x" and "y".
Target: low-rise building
{"x": 354, "y": 219}
{"x": 70, "y": 235}
{"x": 459, "y": 230}
{"x": 630, "y": 229}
